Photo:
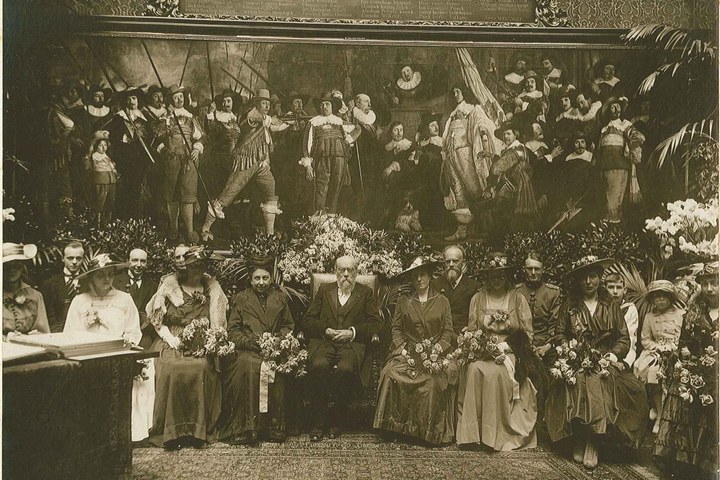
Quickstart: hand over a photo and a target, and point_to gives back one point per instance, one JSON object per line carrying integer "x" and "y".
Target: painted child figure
{"x": 102, "y": 176}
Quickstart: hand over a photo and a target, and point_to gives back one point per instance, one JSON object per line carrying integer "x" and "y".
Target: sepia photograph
{"x": 363, "y": 239}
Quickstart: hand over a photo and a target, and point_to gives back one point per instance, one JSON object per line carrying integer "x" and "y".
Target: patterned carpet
{"x": 366, "y": 456}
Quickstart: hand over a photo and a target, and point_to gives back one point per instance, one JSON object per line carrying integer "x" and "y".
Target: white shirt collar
{"x": 133, "y": 114}
{"x": 320, "y": 120}
{"x": 397, "y": 147}
{"x": 98, "y": 112}
{"x": 362, "y": 117}
{"x": 436, "y": 140}
{"x": 410, "y": 84}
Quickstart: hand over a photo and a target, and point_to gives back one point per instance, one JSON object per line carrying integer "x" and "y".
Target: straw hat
{"x": 662, "y": 286}
{"x": 199, "y": 253}
{"x": 420, "y": 263}
{"x": 18, "y": 251}
{"x": 709, "y": 270}
{"x": 495, "y": 261}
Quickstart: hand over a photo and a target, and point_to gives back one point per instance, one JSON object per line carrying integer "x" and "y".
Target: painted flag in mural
{"x": 486, "y": 99}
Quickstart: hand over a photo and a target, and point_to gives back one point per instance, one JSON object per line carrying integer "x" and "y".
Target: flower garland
{"x": 283, "y": 353}
{"x": 200, "y": 339}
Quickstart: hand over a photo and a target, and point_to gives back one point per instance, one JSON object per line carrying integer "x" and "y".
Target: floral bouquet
{"x": 575, "y": 357}
{"x": 697, "y": 376}
{"x": 474, "y": 346}
{"x": 283, "y": 353}
{"x": 200, "y": 339}
{"x": 426, "y": 356}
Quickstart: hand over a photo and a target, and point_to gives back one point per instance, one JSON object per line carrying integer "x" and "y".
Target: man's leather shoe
{"x": 334, "y": 432}
{"x": 316, "y": 435}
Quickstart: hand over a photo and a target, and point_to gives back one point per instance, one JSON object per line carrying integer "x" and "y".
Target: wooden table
{"x": 69, "y": 418}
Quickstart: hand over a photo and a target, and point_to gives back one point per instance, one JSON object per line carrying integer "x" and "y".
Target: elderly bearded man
{"x": 341, "y": 319}
{"x": 456, "y": 286}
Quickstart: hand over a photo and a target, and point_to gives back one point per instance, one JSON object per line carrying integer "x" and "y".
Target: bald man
{"x": 141, "y": 288}
{"x": 456, "y": 286}
{"x": 341, "y": 320}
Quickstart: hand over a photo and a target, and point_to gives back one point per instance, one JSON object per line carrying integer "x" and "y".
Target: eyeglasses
{"x": 346, "y": 270}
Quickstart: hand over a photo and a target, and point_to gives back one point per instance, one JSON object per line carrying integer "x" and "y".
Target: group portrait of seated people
{"x": 498, "y": 403}
{"x": 199, "y": 167}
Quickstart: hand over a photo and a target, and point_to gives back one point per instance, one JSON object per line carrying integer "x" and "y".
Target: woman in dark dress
{"x": 411, "y": 400}
{"x": 187, "y": 389}
{"x": 688, "y": 432}
{"x": 595, "y": 405}
{"x": 256, "y": 310}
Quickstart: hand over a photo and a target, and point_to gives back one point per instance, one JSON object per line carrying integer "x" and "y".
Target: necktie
{"x": 134, "y": 287}
{"x": 71, "y": 287}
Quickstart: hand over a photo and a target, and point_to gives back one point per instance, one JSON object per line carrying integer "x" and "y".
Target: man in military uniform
{"x": 544, "y": 300}
{"x": 456, "y": 286}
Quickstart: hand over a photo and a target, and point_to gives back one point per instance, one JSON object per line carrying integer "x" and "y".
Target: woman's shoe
{"x": 316, "y": 435}
{"x": 590, "y": 460}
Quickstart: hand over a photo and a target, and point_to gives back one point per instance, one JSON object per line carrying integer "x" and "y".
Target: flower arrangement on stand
{"x": 425, "y": 356}
{"x": 200, "y": 339}
{"x": 283, "y": 353}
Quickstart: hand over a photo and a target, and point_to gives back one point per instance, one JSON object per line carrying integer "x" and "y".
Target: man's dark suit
{"x": 459, "y": 298}
{"x": 57, "y": 302}
{"x": 329, "y": 361}
{"x": 141, "y": 296}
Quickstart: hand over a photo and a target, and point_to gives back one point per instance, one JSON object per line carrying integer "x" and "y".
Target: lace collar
{"x": 362, "y": 117}
{"x": 410, "y": 84}
{"x": 397, "y": 147}
{"x": 320, "y": 120}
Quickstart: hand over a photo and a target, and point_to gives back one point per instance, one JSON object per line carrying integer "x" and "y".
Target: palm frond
{"x": 687, "y": 132}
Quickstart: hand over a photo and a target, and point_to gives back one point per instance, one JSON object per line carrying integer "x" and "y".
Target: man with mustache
{"x": 456, "y": 286}
{"x": 341, "y": 320}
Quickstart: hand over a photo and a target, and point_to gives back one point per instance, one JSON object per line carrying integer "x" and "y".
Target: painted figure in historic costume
{"x": 468, "y": 147}
{"x": 181, "y": 141}
{"x": 251, "y": 162}
{"x": 129, "y": 137}
{"x": 619, "y": 148}
{"x": 326, "y": 151}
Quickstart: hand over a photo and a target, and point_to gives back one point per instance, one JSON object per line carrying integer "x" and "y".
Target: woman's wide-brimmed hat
{"x": 495, "y": 261}
{"x": 328, "y": 97}
{"x": 18, "y": 251}
{"x": 709, "y": 270}
{"x": 587, "y": 262}
{"x": 99, "y": 262}
{"x": 420, "y": 263}
{"x": 199, "y": 253}
{"x": 665, "y": 286}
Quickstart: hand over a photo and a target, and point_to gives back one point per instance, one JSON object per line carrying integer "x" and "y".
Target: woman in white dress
{"x": 105, "y": 310}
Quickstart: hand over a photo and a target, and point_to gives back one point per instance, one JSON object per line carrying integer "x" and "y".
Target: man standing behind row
{"x": 60, "y": 289}
{"x": 340, "y": 321}
{"x": 141, "y": 289}
{"x": 456, "y": 286}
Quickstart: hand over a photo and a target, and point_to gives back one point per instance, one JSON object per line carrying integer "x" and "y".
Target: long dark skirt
{"x": 241, "y": 398}
{"x": 187, "y": 398}
{"x": 688, "y": 431}
{"x": 418, "y": 405}
{"x": 613, "y": 404}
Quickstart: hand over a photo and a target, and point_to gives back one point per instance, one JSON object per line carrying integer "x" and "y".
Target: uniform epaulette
{"x": 550, "y": 285}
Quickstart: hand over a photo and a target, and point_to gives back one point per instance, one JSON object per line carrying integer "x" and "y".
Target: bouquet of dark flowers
{"x": 581, "y": 355}
{"x": 200, "y": 339}
{"x": 477, "y": 345}
{"x": 283, "y": 353}
{"x": 425, "y": 356}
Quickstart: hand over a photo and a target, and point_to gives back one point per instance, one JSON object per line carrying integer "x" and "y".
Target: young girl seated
{"x": 660, "y": 333}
